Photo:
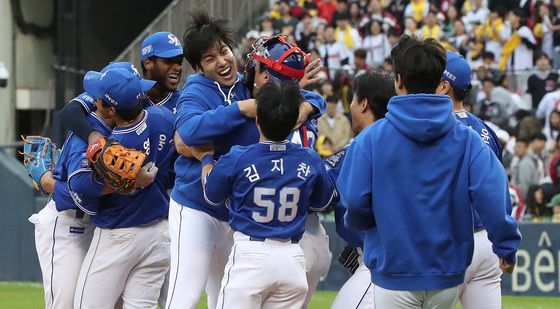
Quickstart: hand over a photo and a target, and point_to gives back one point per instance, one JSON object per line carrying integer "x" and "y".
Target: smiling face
{"x": 165, "y": 71}
{"x": 218, "y": 63}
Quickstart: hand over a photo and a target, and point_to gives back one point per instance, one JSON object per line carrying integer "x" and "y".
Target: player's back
{"x": 486, "y": 133}
{"x": 153, "y": 135}
{"x": 169, "y": 102}
{"x": 274, "y": 186}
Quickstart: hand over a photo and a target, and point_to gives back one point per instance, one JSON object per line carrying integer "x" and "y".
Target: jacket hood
{"x": 421, "y": 117}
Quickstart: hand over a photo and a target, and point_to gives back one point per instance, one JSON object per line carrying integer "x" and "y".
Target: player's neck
{"x": 119, "y": 123}
{"x": 157, "y": 94}
{"x": 458, "y": 106}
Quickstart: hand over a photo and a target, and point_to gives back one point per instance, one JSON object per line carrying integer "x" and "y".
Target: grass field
{"x": 30, "y": 296}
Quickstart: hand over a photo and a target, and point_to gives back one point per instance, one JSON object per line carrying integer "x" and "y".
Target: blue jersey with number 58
{"x": 270, "y": 187}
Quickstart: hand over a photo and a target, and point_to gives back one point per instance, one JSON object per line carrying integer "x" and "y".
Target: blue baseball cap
{"x": 122, "y": 65}
{"x": 119, "y": 87}
{"x": 457, "y": 71}
{"x": 161, "y": 44}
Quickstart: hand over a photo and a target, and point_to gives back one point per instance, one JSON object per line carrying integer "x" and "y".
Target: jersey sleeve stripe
{"x": 333, "y": 195}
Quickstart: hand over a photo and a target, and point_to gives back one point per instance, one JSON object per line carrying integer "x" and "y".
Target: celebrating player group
{"x": 161, "y": 194}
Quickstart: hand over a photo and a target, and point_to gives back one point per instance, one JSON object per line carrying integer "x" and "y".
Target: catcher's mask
{"x": 282, "y": 61}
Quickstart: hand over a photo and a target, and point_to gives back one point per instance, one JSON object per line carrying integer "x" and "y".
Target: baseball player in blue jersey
{"x": 413, "y": 196}
{"x": 270, "y": 187}
{"x": 63, "y": 231}
{"x": 481, "y": 288}
{"x": 274, "y": 60}
{"x": 369, "y": 104}
{"x": 161, "y": 56}
{"x": 129, "y": 254}
{"x": 215, "y": 108}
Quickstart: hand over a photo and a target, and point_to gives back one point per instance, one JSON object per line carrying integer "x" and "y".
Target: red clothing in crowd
{"x": 326, "y": 9}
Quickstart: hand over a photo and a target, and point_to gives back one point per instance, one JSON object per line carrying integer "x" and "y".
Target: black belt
{"x": 252, "y": 238}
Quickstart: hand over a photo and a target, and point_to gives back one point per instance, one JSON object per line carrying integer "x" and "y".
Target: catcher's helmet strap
{"x": 281, "y": 68}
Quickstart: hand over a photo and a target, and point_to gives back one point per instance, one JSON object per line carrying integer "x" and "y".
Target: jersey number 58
{"x": 289, "y": 198}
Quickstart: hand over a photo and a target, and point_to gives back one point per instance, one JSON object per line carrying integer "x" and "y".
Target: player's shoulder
{"x": 86, "y": 100}
{"x": 336, "y": 159}
{"x": 157, "y": 114}
{"x": 99, "y": 124}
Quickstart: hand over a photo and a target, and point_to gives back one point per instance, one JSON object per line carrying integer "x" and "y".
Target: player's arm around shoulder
{"x": 488, "y": 189}
{"x": 217, "y": 178}
{"x": 316, "y": 101}
{"x": 324, "y": 191}
{"x": 354, "y": 186}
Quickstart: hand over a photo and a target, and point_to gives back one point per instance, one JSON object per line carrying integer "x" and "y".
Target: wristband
{"x": 207, "y": 159}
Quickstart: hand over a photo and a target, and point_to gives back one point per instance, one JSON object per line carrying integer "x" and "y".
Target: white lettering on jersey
{"x": 251, "y": 173}
{"x": 162, "y": 139}
{"x": 278, "y": 166}
{"x": 303, "y": 171}
{"x": 485, "y": 136}
{"x": 147, "y": 146}
{"x": 141, "y": 128}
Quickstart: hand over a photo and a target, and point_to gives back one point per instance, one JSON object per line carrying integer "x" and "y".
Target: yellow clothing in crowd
{"x": 418, "y": 9}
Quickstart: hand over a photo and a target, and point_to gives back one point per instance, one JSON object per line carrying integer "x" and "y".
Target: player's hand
{"x": 311, "y": 70}
{"x": 146, "y": 175}
{"x": 505, "y": 267}
{"x": 93, "y": 136}
{"x": 305, "y": 109}
{"x": 248, "y": 108}
{"x": 180, "y": 146}
{"x": 199, "y": 151}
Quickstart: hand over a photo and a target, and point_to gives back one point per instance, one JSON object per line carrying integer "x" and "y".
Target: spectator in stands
{"x": 334, "y": 125}
{"x": 460, "y": 39}
{"x": 360, "y": 63}
{"x": 495, "y": 104}
{"x": 448, "y": 27}
{"x": 476, "y": 14}
{"x": 536, "y": 151}
{"x": 286, "y": 23}
{"x": 266, "y": 26}
{"x": 326, "y": 9}
{"x": 345, "y": 34}
{"x": 517, "y": 54}
{"x": 528, "y": 125}
{"x": 417, "y": 10}
{"x": 431, "y": 28}
{"x": 555, "y": 206}
{"x": 376, "y": 44}
{"x": 494, "y": 33}
{"x": 355, "y": 14}
{"x": 545, "y": 21}
{"x": 305, "y": 33}
{"x": 537, "y": 204}
{"x": 542, "y": 81}
{"x": 376, "y": 12}
{"x": 388, "y": 66}
{"x": 552, "y": 129}
{"x": 554, "y": 166}
{"x": 335, "y": 55}
{"x": 525, "y": 172}
{"x": 550, "y": 102}
{"x": 411, "y": 27}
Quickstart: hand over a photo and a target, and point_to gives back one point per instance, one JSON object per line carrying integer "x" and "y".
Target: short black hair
{"x": 278, "y": 109}
{"x": 202, "y": 33}
{"x": 377, "y": 88}
{"x": 130, "y": 113}
{"x": 144, "y": 70}
{"x": 420, "y": 64}
{"x": 332, "y": 99}
{"x": 460, "y": 94}
{"x": 488, "y": 55}
{"x": 538, "y": 136}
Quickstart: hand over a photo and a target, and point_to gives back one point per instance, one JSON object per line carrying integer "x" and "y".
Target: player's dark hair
{"x": 460, "y": 94}
{"x": 144, "y": 70}
{"x": 378, "y": 96}
{"x": 278, "y": 109}
{"x": 420, "y": 64}
{"x": 127, "y": 114}
{"x": 203, "y": 33}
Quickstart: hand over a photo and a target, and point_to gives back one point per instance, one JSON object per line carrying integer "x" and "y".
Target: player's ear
{"x": 148, "y": 64}
{"x": 364, "y": 105}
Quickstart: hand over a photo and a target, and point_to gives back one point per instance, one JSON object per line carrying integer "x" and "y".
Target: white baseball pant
{"x": 200, "y": 246}
{"x": 131, "y": 262}
{"x": 315, "y": 246}
{"x": 357, "y": 292}
{"x": 482, "y": 289}
{"x": 266, "y": 274}
{"x": 437, "y": 299}
{"x": 62, "y": 241}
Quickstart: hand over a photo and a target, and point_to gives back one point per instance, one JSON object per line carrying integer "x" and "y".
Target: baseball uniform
{"x": 63, "y": 231}
{"x": 270, "y": 187}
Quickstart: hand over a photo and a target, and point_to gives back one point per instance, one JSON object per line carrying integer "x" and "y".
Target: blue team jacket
{"x": 207, "y": 112}
{"x": 410, "y": 180}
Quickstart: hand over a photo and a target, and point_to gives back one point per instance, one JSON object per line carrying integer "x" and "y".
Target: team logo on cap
{"x": 146, "y": 50}
{"x": 108, "y": 97}
{"x": 173, "y": 40}
{"x": 449, "y": 75}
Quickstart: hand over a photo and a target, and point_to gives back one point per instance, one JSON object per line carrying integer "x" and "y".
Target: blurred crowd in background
{"x": 513, "y": 47}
